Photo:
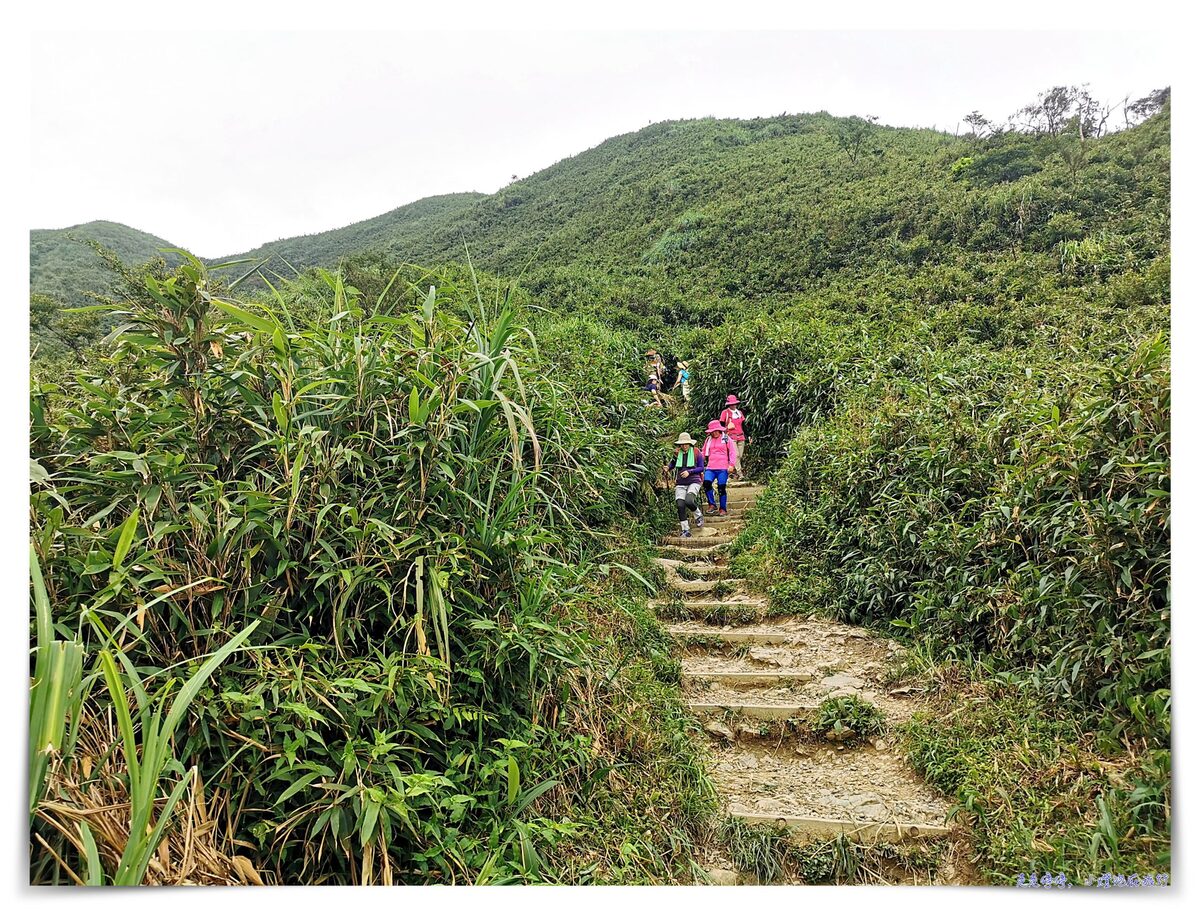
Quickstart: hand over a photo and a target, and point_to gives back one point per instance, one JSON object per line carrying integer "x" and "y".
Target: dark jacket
{"x": 692, "y": 469}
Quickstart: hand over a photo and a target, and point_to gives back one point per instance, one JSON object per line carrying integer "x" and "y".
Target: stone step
{"x": 734, "y": 498}
{"x": 713, "y": 539}
{"x": 862, "y": 833}
{"x": 758, "y": 712}
{"x": 733, "y": 601}
{"x": 742, "y": 498}
{"x": 673, "y": 565}
{"x": 715, "y": 612}
{"x": 733, "y": 517}
{"x": 868, "y": 794}
{"x": 691, "y": 553}
{"x": 734, "y": 636}
{"x": 703, "y": 585}
{"x": 750, "y": 677}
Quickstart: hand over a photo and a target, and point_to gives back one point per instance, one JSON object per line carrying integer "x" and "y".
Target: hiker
{"x": 732, "y": 418}
{"x": 720, "y": 456}
{"x": 682, "y": 379}
{"x": 655, "y": 362}
{"x": 688, "y": 465}
{"x": 652, "y": 385}
{"x": 658, "y": 365}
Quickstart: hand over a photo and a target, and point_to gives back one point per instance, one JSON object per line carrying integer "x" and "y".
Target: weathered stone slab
{"x": 760, "y": 712}
{"x": 735, "y": 636}
{"x": 750, "y": 677}
{"x": 864, "y": 833}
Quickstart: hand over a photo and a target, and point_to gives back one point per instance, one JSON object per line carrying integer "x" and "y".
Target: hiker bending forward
{"x": 688, "y": 466}
{"x": 720, "y": 456}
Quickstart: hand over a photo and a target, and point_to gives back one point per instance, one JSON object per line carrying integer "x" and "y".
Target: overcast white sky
{"x": 222, "y": 141}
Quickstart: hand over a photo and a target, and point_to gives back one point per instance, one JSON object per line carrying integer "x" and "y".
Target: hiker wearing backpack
{"x": 732, "y": 418}
{"x": 682, "y": 379}
{"x": 687, "y": 463}
{"x": 720, "y": 456}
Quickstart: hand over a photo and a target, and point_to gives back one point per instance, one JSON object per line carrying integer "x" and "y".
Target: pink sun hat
{"x": 715, "y": 426}
{"x": 731, "y": 399}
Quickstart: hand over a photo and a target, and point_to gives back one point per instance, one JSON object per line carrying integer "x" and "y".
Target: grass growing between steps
{"x": 850, "y": 718}
{"x": 773, "y": 857}
{"x": 734, "y": 614}
{"x": 844, "y": 721}
{"x": 1037, "y": 792}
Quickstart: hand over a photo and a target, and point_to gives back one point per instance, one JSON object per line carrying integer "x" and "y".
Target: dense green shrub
{"x": 1019, "y": 518}
{"x": 398, "y": 500}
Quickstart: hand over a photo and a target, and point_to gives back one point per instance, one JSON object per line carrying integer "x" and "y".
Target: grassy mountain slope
{"x": 67, "y": 269}
{"x": 661, "y": 200}
{"x": 325, "y": 249}
{"x": 747, "y": 207}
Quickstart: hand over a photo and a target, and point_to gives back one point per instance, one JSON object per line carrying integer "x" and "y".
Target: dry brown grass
{"x": 86, "y": 788}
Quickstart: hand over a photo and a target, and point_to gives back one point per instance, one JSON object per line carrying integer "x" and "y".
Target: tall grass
{"x": 384, "y": 504}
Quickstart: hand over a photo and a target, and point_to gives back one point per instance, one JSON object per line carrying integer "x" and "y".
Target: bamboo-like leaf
{"x": 414, "y": 406}
{"x": 514, "y": 780}
{"x": 125, "y": 540}
{"x": 245, "y": 317}
{"x": 95, "y": 869}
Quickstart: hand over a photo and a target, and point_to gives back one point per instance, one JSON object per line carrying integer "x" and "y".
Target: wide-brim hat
{"x": 715, "y": 426}
{"x": 685, "y": 439}
{"x": 731, "y": 399}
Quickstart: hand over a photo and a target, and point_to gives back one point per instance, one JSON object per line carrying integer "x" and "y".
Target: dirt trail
{"x": 753, "y": 679}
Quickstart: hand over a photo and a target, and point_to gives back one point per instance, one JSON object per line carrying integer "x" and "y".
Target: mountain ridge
{"x": 724, "y": 207}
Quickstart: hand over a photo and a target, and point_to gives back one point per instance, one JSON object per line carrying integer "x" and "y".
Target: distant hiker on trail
{"x": 688, "y": 466}
{"x": 732, "y": 418}
{"x": 656, "y": 363}
{"x": 682, "y": 381}
{"x": 652, "y": 385}
{"x": 720, "y": 456}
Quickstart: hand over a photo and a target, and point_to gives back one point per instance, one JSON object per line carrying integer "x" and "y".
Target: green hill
{"x": 63, "y": 266}
{"x": 703, "y": 210}
{"x": 662, "y": 200}
{"x": 325, "y": 249}
{"x": 772, "y": 205}
{"x": 749, "y": 209}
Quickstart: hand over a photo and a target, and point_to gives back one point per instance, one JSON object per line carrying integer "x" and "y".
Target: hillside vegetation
{"x": 61, "y": 265}
{"x": 374, "y": 519}
{"x": 409, "y": 525}
{"x": 325, "y": 249}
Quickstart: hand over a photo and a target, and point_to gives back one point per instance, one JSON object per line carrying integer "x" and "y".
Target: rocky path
{"x": 754, "y": 680}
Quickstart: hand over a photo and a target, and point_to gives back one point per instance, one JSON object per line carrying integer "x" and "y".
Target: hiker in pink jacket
{"x": 732, "y": 418}
{"x": 720, "y": 456}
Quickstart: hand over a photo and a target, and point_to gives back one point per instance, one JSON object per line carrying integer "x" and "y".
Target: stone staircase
{"x": 747, "y": 673}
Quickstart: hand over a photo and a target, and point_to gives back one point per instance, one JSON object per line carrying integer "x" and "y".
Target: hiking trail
{"x": 747, "y": 673}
